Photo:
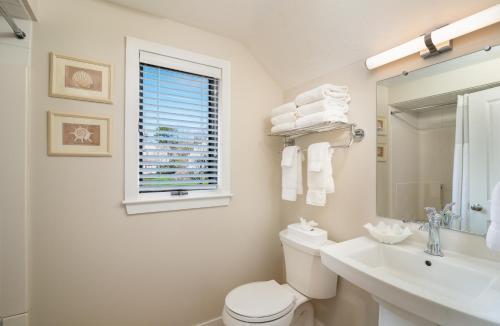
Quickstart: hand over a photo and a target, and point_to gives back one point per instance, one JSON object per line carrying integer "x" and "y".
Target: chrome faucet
{"x": 433, "y": 226}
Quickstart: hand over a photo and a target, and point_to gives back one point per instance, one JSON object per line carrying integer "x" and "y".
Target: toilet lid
{"x": 259, "y": 300}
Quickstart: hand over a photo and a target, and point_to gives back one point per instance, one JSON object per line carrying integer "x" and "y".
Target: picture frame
{"x": 382, "y": 152}
{"x": 79, "y": 79}
{"x": 381, "y": 126}
{"x": 71, "y": 134}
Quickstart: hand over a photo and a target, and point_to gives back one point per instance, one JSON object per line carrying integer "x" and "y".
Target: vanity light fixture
{"x": 439, "y": 40}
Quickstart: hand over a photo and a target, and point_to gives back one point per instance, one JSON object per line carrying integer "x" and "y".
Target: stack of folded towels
{"x": 283, "y": 117}
{"x": 325, "y": 103}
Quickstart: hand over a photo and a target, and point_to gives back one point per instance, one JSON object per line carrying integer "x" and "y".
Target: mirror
{"x": 438, "y": 141}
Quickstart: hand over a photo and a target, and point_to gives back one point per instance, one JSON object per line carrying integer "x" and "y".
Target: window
{"x": 176, "y": 129}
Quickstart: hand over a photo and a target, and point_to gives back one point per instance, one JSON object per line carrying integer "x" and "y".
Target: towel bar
{"x": 355, "y": 134}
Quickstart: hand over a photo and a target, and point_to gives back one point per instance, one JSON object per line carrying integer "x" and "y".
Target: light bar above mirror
{"x": 437, "y": 41}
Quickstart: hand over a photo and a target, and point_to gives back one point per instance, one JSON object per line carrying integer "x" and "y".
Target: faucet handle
{"x": 424, "y": 227}
{"x": 433, "y": 215}
{"x": 447, "y": 208}
{"x": 430, "y": 211}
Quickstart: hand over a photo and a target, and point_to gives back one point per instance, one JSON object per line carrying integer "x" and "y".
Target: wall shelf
{"x": 355, "y": 135}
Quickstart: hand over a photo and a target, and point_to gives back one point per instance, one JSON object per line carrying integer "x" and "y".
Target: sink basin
{"x": 451, "y": 290}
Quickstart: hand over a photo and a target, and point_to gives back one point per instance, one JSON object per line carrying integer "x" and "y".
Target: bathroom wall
{"x": 435, "y": 154}
{"x": 403, "y": 154}
{"x": 15, "y": 57}
{"x": 94, "y": 265}
{"x": 419, "y": 167}
{"x": 353, "y": 204}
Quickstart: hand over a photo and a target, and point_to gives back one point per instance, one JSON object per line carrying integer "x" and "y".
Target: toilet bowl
{"x": 270, "y": 304}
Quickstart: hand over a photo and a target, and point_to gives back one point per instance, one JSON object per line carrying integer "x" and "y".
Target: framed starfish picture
{"x": 78, "y": 135}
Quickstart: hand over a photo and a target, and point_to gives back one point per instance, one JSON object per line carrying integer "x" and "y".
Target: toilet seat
{"x": 259, "y": 302}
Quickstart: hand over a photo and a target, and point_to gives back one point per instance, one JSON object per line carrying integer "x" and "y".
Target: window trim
{"x": 137, "y": 203}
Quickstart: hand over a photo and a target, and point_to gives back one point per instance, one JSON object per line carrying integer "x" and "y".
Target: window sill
{"x": 153, "y": 205}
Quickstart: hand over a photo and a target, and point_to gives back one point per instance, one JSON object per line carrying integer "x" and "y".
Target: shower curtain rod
{"x": 17, "y": 31}
{"x": 425, "y": 107}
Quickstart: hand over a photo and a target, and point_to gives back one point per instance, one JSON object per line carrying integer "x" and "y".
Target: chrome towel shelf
{"x": 355, "y": 134}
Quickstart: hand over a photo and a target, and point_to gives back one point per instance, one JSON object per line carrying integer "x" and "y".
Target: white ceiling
{"x": 298, "y": 40}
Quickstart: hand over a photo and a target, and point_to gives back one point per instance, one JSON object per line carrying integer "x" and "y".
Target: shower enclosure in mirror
{"x": 438, "y": 141}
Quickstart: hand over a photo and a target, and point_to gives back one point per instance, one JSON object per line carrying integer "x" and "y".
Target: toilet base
{"x": 303, "y": 315}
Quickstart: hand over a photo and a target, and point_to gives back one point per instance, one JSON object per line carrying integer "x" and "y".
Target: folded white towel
{"x": 283, "y": 127}
{"x": 285, "y": 108}
{"x": 327, "y": 104}
{"x": 319, "y": 173}
{"x": 284, "y": 118}
{"x": 493, "y": 235}
{"x": 321, "y": 92}
{"x": 315, "y": 118}
{"x": 291, "y": 172}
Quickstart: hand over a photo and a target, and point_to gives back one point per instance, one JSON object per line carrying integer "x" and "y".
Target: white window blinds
{"x": 178, "y": 125}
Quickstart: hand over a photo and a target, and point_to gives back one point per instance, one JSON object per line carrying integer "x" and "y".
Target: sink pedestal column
{"x": 390, "y": 315}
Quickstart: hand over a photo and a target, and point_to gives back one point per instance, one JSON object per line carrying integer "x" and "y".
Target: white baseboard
{"x": 212, "y": 322}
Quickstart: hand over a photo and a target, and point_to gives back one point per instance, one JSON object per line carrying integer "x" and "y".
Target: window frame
{"x": 137, "y": 203}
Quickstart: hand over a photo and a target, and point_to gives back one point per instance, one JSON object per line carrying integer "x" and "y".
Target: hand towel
{"x": 319, "y": 173}
{"x": 493, "y": 235}
{"x": 283, "y": 118}
{"x": 327, "y": 104}
{"x": 315, "y": 118}
{"x": 321, "y": 92}
{"x": 291, "y": 173}
{"x": 283, "y": 127}
{"x": 285, "y": 108}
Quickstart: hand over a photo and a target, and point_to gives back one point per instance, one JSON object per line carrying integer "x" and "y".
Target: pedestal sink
{"x": 414, "y": 288}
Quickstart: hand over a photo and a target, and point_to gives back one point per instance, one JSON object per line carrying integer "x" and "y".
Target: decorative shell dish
{"x": 390, "y": 234}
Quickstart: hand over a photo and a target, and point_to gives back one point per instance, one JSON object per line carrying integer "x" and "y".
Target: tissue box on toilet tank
{"x": 309, "y": 234}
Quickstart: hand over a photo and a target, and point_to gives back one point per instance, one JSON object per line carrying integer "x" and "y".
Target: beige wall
{"x": 94, "y": 265}
{"x": 354, "y": 171}
{"x": 436, "y": 149}
{"x": 14, "y": 97}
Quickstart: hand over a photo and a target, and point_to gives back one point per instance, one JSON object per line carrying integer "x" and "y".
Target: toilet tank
{"x": 304, "y": 270}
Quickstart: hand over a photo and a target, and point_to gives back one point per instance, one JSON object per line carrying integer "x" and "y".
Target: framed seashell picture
{"x": 79, "y": 79}
{"x": 78, "y": 135}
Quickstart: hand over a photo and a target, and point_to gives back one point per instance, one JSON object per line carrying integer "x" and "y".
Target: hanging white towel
{"x": 327, "y": 104}
{"x": 319, "y": 173}
{"x": 493, "y": 235}
{"x": 284, "y": 118}
{"x": 322, "y": 92}
{"x": 283, "y": 127}
{"x": 319, "y": 117}
{"x": 284, "y": 108}
{"x": 291, "y": 172}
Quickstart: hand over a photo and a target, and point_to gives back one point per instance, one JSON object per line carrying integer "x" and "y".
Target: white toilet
{"x": 271, "y": 304}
